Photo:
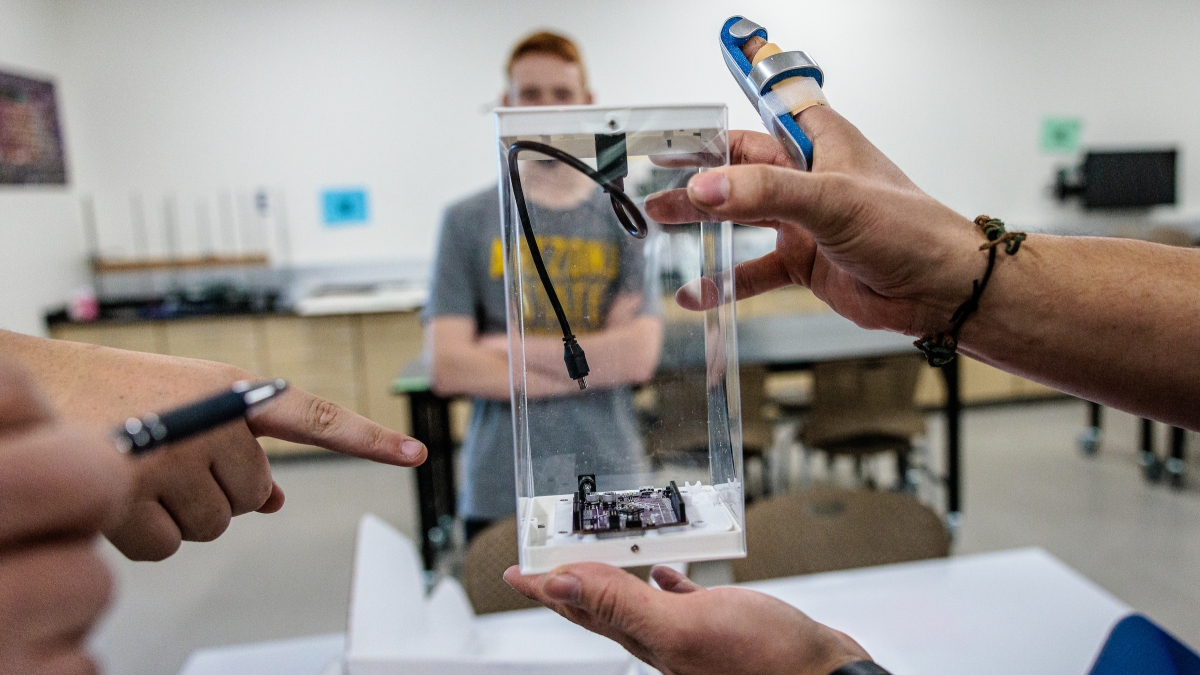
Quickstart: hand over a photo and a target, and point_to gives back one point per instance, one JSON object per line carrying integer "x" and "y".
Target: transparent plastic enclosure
{"x": 643, "y": 466}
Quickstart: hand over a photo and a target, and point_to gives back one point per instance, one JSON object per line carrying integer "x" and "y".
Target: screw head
{"x": 634, "y": 548}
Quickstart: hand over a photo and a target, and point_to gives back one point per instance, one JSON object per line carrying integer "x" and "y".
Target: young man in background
{"x": 598, "y": 271}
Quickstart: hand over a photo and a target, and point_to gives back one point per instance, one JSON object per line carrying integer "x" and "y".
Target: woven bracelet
{"x": 941, "y": 348}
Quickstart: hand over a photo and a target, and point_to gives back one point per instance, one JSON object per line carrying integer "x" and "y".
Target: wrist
{"x": 835, "y": 659}
{"x": 940, "y": 347}
{"x": 960, "y": 263}
{"x": 832, "y": 652}
{"x": 997, "y": 315}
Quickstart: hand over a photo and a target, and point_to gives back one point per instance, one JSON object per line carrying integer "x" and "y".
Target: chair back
{"x": 864, "y": 399}
{"x": 831, "y": 529}
{"x": 490, "y": 553}
{"x": 680, "y": 413}
{"x": 758, "y": 432}
{"x": 1171, "y": 236}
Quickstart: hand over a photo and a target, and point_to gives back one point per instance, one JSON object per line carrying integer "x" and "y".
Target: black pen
{"x": 142, "y": 435}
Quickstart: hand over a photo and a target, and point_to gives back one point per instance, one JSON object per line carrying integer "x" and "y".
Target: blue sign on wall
{"x": 345, "y": 207}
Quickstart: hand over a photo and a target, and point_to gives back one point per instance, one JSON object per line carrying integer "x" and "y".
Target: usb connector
{"x": 576, "y": 360}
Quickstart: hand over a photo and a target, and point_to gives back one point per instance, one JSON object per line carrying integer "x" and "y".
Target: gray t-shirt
{"x": 592, "y": 432}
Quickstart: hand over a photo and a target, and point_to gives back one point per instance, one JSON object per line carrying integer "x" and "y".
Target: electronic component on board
{"x": 625, "y": 511}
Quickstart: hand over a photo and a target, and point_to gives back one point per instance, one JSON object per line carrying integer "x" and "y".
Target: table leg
{"x": 953, "y": 412}
{"x": 1177, "y": 464}
{"x": 435, "y": 478}
{"x": 1152, "y": 466}
{"x": 1089, "y": 438}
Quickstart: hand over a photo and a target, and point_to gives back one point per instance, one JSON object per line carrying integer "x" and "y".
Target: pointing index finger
{"x": 300, "y": 417}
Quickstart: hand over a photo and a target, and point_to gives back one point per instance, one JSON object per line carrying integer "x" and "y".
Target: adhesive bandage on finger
{"x": 769, "y": 49}
{"x": 793, "y": 95}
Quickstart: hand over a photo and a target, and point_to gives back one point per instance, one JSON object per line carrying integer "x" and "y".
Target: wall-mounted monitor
{"x": 1126, "y": 179}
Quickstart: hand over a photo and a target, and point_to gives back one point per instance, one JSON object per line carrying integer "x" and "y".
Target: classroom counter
{"x": 352, "y": 358}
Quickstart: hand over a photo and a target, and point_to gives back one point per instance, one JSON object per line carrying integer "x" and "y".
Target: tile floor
{"x": 1026, "y": 485}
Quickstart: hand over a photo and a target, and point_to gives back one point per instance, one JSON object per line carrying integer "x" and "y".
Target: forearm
{"x": 1110, "y": 320}
{"x": 464, "y": 371}
{"x": 92, "y": 381}
{"x": 626, "y": 354}
{"x": 474, "y": 371}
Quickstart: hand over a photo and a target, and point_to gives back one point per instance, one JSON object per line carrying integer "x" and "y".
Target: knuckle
{"x": 322, "y": 416}
{"x": 153, "y": 550}
{"x": 265, "y": 487}
{"x": 211, "y": 526}
{"x": 607, "y": 604}
{"x": 251, "y": 490}
{"x": 145, "y": 537}
{"x": 377, "y": 439}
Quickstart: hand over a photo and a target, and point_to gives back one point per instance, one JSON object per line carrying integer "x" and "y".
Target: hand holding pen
{"x": 152, "y": 431}
{"x": 193, "y": 490}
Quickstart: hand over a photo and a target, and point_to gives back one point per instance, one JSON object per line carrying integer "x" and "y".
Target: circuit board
{"x": 626, "y": 511}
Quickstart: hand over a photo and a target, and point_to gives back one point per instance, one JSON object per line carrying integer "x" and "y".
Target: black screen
{"x": 1129, "y": 179}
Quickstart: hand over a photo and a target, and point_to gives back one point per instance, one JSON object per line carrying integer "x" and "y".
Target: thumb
{"x": 612, "y": 595}
{"x": 607, "y": 596}
{"x": 824, "y": 204}
{"x": 300, "y": 417}
{"x": 673, "y": 581}
{"x": 601, "y": 598}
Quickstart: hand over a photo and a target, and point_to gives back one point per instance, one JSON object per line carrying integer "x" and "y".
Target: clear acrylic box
{"x": 645, "y": 465}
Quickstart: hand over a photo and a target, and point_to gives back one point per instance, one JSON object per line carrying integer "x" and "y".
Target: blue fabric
{"x": 1137, "y": 645}
{"x": 802, "y": 140}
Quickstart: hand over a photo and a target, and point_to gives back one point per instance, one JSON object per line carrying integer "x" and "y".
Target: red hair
{"x": 545, "y": 42}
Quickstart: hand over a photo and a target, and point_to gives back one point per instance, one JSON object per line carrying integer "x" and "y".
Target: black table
{"x": 779, "y": 342}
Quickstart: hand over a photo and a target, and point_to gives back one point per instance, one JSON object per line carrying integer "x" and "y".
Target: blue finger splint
{"x": 756, "y": 81}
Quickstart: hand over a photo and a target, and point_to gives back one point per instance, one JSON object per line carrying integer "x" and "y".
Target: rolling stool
{"x": 1090, "y": 437}
{"x": 1174, "y": 466}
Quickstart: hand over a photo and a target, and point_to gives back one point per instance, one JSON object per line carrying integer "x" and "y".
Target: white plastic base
{"x": 712, "y": 533}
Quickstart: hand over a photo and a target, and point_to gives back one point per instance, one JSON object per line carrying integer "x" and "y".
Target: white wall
{"x": 41, "y": 246}
{"x": 197, "y": 98}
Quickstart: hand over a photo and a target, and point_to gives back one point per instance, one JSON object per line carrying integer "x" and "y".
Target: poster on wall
{"x": 31, "y": 148}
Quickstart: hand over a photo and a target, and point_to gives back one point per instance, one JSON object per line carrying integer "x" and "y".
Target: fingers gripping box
{"x": 630, "y": 454}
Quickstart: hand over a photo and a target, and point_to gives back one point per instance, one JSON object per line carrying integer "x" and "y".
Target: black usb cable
{"x": 613, "y": 164}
